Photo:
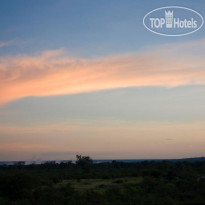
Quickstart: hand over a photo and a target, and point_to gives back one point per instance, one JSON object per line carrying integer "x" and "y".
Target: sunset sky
{"x": 86, "y": 77}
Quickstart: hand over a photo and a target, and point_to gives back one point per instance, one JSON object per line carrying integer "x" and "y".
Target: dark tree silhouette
{"x": 83, "y": 161}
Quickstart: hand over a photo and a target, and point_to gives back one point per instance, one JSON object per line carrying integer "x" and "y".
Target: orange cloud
{"x": 55, "y": 73}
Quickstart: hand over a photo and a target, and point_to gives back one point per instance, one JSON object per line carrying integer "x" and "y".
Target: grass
{"x": 99, "y": 184}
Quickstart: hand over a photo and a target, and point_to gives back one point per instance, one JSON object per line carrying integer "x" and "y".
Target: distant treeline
{"x": 154, "y": 183}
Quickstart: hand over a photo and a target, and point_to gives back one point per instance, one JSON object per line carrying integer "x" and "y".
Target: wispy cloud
{"x": 55, "y": 73}
{"x": 2, "y": 44}
{"x": 6, "y": 43}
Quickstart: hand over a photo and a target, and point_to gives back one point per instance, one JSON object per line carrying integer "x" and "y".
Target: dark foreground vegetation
{"x": 116, "y": 183}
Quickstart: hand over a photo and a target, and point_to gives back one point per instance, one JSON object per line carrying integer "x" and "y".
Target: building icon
{"x": 169, "y": 18}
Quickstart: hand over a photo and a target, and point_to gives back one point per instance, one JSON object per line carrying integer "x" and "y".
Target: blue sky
{"x": 85, "y": 28}
{"x": 159, "y": 104}
{"x": 88, "y": 77}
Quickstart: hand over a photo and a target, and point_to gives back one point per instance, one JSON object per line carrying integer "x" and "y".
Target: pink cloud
{"x": 55, "y": 73}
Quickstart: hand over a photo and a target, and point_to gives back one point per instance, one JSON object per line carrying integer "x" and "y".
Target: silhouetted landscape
{"x": 169, "y": 182}
{"x": 119, "y": 83}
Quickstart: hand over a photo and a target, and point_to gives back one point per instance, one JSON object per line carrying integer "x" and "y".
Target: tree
{"x": 83, "y": 161}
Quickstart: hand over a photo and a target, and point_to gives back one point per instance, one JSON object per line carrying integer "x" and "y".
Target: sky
{"x": 86, "y": 77}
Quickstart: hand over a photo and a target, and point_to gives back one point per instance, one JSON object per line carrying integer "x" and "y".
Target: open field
{"x": 99, "y": 184}
{"x": 116, "y": 183}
